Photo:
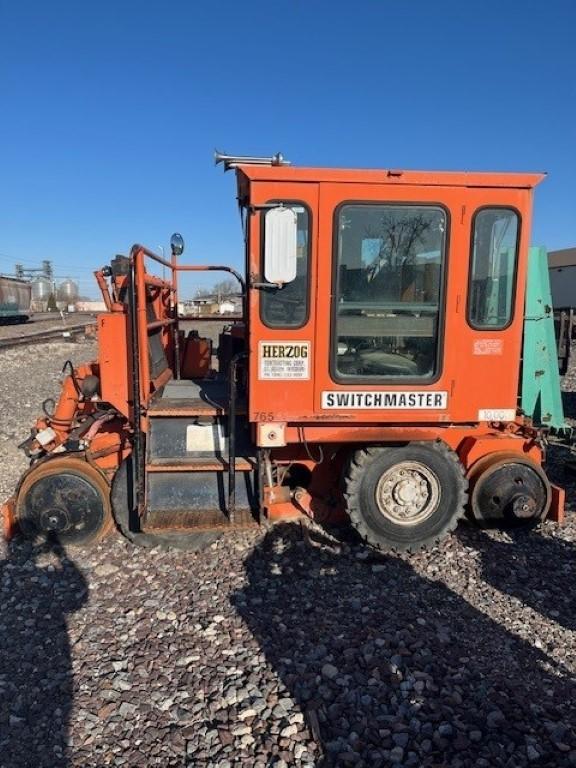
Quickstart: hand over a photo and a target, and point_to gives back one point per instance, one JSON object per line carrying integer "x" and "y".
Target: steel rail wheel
{"x": 508, "y": 489}
{"x": 405, "y": 497}
{"x": 65, "y": 497}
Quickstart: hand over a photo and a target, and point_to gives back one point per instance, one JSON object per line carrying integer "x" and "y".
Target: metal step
{"x": 181, "y": 506}
{"x": 210, "y": 464}
{"x": 189, "y": 447}
{"x": 185, "y": 438}
{"x": 171, "y": 408}
{"x": 201, "y": 397}
{"x": 187, "y": 499}
{"x": 198, "y": 522}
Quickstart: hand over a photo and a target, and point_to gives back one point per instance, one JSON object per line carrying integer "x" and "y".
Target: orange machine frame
{"x": 479, "y": 369}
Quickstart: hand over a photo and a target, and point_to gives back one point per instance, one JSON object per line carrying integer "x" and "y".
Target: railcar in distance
{"x": 15, "y": 300}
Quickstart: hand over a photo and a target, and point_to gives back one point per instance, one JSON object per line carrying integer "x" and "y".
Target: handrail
{"x": 142, "y": 318}
{"x": 188, "y": 267}
{"x": 215, "y": 268}
{"x": 155, "y": 324}
{"x": 232, "y": 435}
{"x": 142, "y": 279}
{"x": 138, "y": 454}
{"x": 212, "y": 268}
{"x": 151, "y": 255}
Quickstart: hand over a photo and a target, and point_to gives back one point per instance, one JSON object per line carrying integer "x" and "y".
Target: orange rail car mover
{"x": 374, "y": 378}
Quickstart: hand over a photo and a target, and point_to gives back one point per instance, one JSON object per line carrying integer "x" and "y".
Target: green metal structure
{"x": 540, "y": 394}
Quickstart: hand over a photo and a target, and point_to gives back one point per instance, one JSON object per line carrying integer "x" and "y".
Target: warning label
{"x": 488, "y": 347}
{"x": 284, "y": 360}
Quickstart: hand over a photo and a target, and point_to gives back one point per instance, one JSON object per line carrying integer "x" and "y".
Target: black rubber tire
{"x": 365, "y": 469}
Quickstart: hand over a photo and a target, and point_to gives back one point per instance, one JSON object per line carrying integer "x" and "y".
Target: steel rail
{"x": 41, "y": 337}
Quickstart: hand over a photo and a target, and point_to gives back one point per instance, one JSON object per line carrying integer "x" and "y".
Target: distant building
{"x": 211, "y": 304}
{"x": 227, "y": 307}
{"x": 562, "y": 267}
{"x": 90, "y": 306}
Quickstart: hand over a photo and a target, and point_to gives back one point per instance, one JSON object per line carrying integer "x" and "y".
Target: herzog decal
{"x": 284, "y": 360}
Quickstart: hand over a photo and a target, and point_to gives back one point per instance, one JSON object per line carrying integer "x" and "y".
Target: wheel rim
{"x": 408, "y": 493}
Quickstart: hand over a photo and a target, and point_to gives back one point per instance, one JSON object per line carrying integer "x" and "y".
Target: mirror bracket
{"x": 265, "y": 207}
{"x": 262, "y": 285}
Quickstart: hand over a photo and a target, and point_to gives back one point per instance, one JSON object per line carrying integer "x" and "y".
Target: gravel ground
{"x": 273, "y": 648}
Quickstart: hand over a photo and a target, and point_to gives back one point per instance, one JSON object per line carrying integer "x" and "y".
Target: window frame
{"x": 439, "y": 358}
{"x": 493, "y": 328}
{"x": 288, "y": 203}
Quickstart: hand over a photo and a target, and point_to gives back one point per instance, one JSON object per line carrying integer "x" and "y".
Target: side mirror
{"x": 177, "y": 244}
{"x": 280, "y": 245}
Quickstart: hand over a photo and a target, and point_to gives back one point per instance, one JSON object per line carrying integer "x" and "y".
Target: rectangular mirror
{"x": 280, "y": 245}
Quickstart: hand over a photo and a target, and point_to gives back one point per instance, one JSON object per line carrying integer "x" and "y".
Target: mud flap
{"x": 9, "y": 527}
{"x": 557, "y": 512}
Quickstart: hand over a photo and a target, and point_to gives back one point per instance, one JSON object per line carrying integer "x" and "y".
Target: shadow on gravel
{"x": 36, "y": 681}
{"x": 569, "y": 404}
{"x": 393, "y": 668}
{"x": 538, "y": 570}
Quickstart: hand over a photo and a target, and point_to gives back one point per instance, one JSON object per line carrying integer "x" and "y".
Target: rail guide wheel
{"x": 509, "y": 490}
{"x": 67, "y": 498}
{"x": 405, "y": 497}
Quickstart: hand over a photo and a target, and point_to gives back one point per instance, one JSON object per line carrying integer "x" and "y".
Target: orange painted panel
{"x": 272, "y": 399}
{"x": 391, "y": 177}
{"x": 113, "y": 359}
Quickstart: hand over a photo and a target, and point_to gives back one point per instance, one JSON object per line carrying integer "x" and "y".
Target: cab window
{"x": 390, "y": 263}
{"x": 493, "y": 268}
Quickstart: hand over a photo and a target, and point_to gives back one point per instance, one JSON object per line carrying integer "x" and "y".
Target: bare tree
{"x": 225, "y": 288}
{"x": 399, "y": 238}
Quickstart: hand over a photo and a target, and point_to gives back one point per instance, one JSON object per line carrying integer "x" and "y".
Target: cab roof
{"x": 390, "y": 176}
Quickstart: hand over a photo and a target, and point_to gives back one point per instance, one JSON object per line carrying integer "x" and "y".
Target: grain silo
{"x": 41, "y": 290}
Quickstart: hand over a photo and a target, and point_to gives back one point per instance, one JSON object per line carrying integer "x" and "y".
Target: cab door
{"x": 390, "y": 299}
{"x": 282, "y": 320}
{"x": 497, "y": 223}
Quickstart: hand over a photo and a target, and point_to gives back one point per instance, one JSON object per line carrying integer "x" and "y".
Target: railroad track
{"x": 66, "y": 333}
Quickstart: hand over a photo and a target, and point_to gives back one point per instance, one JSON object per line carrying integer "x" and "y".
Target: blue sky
{"x": 110, "y": 111}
